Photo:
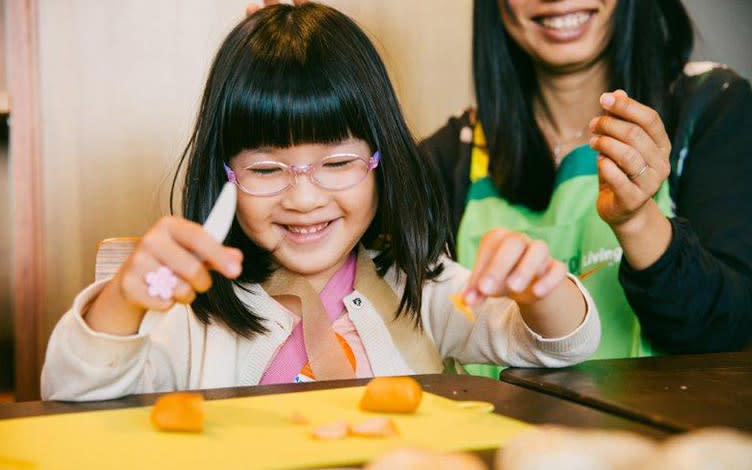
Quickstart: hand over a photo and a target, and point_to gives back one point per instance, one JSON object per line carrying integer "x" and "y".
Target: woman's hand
{"x": 634, "y": 161}
{"x": 254, "y": 7}
{"x": 511, "y": 264}
{"x": 183, "y": 247}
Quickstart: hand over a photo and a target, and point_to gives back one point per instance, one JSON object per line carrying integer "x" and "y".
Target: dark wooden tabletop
{"x": 675, "y": 393}
{"x": 510, "y": 400}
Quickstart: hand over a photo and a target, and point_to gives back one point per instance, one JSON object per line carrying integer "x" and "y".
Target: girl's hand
{"x": 178, "y": 244}
{"x": 634, "y": 159}
{"x": 513, "y": 265}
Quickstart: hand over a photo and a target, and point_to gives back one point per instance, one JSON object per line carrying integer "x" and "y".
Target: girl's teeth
{"x": 307, "y": 229}
{"x": 569, "y": 21}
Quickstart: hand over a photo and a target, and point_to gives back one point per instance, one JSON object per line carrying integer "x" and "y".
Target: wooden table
{"x": 674, "y": 393}
{"x": 510, "y": 400}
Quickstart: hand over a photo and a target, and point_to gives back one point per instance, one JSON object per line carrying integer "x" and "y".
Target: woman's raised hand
{"x": 634, "y": 156}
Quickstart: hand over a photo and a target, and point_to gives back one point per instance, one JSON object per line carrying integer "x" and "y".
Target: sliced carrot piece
{"x": 375, "y": 427}
{"x": 392, "y": 395}
{"x": 179, "y": 411}
{"x": 459, "y": 304}
{"x": 298, "y": 418}
{"x": 330, "y": 432}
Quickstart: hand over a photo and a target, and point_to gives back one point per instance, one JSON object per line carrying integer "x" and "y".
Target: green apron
{"x": 575, "y": 234}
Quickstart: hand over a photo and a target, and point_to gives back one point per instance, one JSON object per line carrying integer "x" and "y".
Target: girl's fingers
{"x": 621, "y": 105}
{"x": 178, "y": 259}
{"x": 492, "y": 281}
{"x": 555, "y": 273}
{"x": 487, "y": 248}
{"x": 183, "y": 293}
{"x": 533, "y": 263}
{"x": 134, "y": 287}
{"x": 195, "y": 239}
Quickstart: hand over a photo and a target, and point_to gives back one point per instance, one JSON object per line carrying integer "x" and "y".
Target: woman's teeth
{"x": 570, "y": 21}
{"x": 306, "y": 229}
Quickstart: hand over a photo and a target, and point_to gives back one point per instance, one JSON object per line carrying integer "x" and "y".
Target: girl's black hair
{"x": 651, "y": 42}
{"x": 291, "y": 75}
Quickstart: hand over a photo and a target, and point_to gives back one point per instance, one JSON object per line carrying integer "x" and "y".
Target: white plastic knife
{"x": 220, "y": 218}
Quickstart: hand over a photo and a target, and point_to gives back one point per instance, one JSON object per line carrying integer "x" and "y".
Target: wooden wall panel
{"x": 26, "y": 200}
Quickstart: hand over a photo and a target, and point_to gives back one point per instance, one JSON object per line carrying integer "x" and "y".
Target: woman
{"x": 646, "y": 189}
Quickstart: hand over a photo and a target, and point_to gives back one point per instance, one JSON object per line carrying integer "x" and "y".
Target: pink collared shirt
{"x": 289, "y": 363}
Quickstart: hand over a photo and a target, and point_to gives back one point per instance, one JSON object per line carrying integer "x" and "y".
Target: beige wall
{"x": 120, "y": 82}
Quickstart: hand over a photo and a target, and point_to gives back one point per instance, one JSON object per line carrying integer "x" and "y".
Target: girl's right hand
{"x": 182, "y": 246}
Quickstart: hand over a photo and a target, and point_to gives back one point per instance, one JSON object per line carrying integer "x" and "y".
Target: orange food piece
{"x": 299, "y": 418}
{"x": 392, "y": 395}
{"x": 331, "y": 432}
{"x": 375, "y": 427}
{"x": 459, "y": 304}
{"x": 179, "y": 411}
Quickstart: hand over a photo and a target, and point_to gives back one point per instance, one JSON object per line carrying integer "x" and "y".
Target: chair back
{"x": 111, "y": 253}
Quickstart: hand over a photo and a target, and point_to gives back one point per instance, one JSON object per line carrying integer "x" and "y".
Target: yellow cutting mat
{"x": 243, "y": 433}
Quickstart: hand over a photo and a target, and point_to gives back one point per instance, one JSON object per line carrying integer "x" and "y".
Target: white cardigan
{"x": 175, "y": 351}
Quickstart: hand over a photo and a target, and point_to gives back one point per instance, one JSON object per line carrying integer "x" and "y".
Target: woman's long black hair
{"x": 651, "y": 42}
{"x": 294, "y": 75}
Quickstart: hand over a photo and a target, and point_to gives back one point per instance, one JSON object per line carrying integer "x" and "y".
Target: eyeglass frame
{"x": 307, "y": 170}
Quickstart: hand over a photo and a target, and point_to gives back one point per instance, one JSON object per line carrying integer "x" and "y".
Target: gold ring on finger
{"x": 639, "y": 172}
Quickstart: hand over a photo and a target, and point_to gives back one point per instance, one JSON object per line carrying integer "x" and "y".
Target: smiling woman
{"x": 594, "y": 134}
{"x": 560, "y": 35}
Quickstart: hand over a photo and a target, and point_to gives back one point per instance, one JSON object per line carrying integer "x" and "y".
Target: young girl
{"x": 335, "y": 265}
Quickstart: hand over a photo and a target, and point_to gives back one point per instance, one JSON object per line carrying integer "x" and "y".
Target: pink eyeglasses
{"x": 335, "y": 172}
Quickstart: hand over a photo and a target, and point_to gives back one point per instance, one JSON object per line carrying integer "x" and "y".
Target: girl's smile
{"x": 308, "y": 233}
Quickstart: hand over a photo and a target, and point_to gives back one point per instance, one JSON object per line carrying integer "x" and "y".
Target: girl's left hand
{"x": 512, "y": 264}
{"x": 634, "y": 156}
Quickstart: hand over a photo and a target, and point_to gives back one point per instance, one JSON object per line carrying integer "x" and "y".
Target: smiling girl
{"x": 335, "y": 266}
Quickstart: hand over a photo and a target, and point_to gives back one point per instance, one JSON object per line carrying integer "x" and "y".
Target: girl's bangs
{"x": 284, "y": 104}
